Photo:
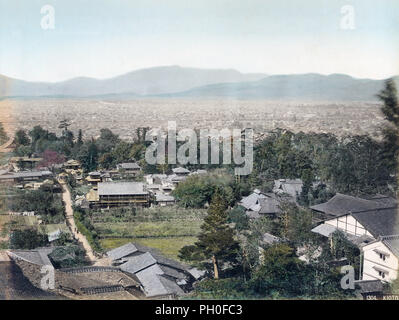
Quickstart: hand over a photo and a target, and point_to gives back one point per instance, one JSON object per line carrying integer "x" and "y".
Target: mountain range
{"x": 175, "y": 81}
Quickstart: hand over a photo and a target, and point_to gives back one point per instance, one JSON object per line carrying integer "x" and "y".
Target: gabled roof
{"x": 324, "y": 229}
{"x": 370, "y": 286}
{"x": 392, "y": 242}
{"x": 155, "y": 284}
{"x": 164, "y": 197}
{"x": 251, "y": 200}
{"x": 121, "y": 188}
{"x": 379, "y": 222}
{"x": 384, "y": 201}
{"x": 176, "y": 178}
{"x": 129, "y": 165}
{"x": 269, "y": 205}
{"x": 135, "y": 248}
{"x": 342, "y": 204}
{"x": 123, "y": 251}
{"x": 157, "y": 274}
{"x": 38, "y": 256}
{"x": 180, "y": 170}
{"x": 288, "y": 186}
{"x": 138, "y": 263}
{"x": 26, "y": 174}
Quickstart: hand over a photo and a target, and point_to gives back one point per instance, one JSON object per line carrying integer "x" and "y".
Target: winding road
{"x": 66, "y": 197}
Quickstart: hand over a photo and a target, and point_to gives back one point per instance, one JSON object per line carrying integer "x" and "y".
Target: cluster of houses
{"x": 158, "y": 276}
{"x": 108, "y": 191}
{"x": 372, "y": 224}
{"x": 153, "y": 275}
{"x": 121, "y": 186}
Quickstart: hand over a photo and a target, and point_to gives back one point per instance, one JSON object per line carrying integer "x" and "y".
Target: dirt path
{"x": 66, "y": 197}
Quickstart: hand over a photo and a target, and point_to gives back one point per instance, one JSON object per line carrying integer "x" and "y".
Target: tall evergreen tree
{"x": 216, "y": 241}
{"x": 390, "y": 109}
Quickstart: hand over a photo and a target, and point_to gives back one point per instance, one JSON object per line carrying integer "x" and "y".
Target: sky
{"x": 106, "y": 38}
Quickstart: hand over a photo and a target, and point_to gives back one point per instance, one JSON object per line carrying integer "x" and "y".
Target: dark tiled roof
{"x": 27, "y": 174}
{"x": 38, "y": 256}
{"x": 121, "y": 188}
{"x": 138, "y": 263}
{"x": 129, "y": 165}
{"x": 369, "y": 286}
{"x": 122, "y": 251}
{"x": 342, "y": 204}
{"x": 379, "y": 222}
{"x": 171, "y": 272}
{"x": 180, "y": 170}
{"x": 155, "y": 284}
{"x": 392, "y": 242}
{"x": 324, "y": 229}
{"x": 269, "y": 205}
{"x": 252, "y": 199}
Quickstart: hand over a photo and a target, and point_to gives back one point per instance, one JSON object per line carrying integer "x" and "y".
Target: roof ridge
{"x": 390, "y": 237}
{"x": 374, "y": 209}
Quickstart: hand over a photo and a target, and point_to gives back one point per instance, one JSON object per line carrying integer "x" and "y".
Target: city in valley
{"x": 123, "y": 116}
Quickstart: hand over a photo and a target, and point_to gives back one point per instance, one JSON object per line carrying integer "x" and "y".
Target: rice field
{"x": 169, "y": 246}
{"x": 167, "y": 229}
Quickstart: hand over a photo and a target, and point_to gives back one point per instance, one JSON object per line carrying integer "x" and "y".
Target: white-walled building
{"x": 373, "y": 225}
{"x": 381, "y": 259}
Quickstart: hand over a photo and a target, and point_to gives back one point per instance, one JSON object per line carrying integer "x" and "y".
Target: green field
{"x": 15, "y": 222}
{"x": 170, "y": 228}
{"x": 169, "y": 246}
{"x": 165, "y": 228}
{"x": 47, "y": 228}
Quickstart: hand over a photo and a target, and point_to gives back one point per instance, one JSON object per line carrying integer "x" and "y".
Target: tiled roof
{"x": 269, "y": 205}
{"x": 324, "y": 229}
{"x": 129, "y": 165}
{"x": 155, "y": 284}
{"x": 370, "y": 286}
{"x": 26, "y": 174}
{"x": 392, "y": 242}
{"x": 138, "y": 263}
{"x": 37, "y": 256}
{"x": 122, "y": 251}
{"x": 342, "y": 204}
{"x": 379, "y": 222}
{"x": 164, "y": 197}
{"x": 180, "y": 170}
{"x": 121, "y": 188}
{"x": 251, "y": 200}
{"x": 154, "y": 271}
{"x": 293, "y": 187}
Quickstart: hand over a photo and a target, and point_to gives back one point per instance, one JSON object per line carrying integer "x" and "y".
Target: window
{"x": 382, "y": 256}
{"x": 381, "y": 274}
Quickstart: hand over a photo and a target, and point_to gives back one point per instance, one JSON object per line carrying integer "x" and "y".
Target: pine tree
{"x": 389, "y": 97}
{"x": 216, "y": 240}
{"x": 390, "y": 109}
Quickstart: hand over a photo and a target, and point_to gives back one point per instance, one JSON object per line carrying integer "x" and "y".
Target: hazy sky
{"x": 104, "y": 38}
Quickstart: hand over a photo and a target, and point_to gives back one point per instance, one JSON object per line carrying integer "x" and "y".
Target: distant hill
{"x": 313, "y": 87}
{"x": 175, "y": 81}
{"x": 152, "y": 81}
